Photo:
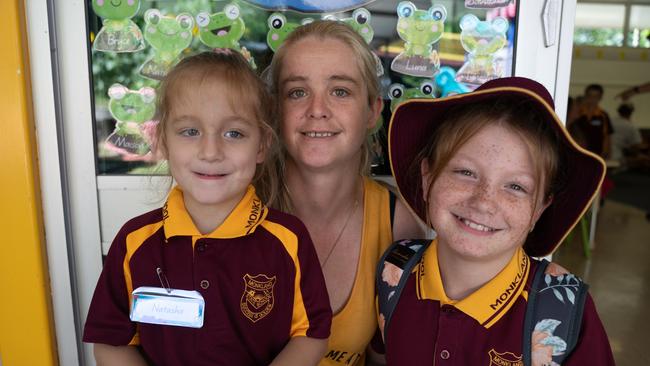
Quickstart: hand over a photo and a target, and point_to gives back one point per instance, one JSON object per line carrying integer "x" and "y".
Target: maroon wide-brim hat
{"x": 414, "y": 122}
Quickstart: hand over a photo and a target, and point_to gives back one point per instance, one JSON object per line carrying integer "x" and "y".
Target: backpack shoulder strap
{"x": 392, "y": 198}
{"x": 393, "y": 270}
{"x": 554, "y": 313}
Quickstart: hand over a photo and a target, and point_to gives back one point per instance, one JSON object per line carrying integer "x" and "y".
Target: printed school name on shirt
{"x": 505, "y": 295}
{"x": 254, "y": 216}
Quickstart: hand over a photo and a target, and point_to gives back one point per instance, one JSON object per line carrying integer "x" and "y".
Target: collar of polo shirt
{"x": 487, "y": 304}
{"x": 243, "y": 220}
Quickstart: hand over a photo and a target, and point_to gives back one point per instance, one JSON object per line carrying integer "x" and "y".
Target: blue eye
{"x": 296, "y": 93}
{"x": 190, "y": 132}
{"x": 233, "y": 134}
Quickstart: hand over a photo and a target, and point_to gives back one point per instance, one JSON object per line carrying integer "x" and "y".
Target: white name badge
{"x": 155, "y": 305}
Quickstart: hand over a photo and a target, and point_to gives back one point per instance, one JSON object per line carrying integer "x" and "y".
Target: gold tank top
{"x": 355, "y": 324}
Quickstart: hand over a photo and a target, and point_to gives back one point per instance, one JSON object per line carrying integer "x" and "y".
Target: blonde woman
{"x": 324, "y": 77}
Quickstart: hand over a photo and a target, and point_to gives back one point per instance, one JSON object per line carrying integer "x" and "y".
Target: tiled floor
{"x": 619, "y": 277}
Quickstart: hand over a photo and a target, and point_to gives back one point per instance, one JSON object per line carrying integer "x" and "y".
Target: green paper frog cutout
{"x": 168, "y": 36}
{"x": 280, "y": 28}
{"x": 133, "y": 111}
{"x": 360, "y": 22}
{"x": 481, "y": 39}
{"x": 399, "y": 94}
{"x": 420, "y": 29}
{"x": 223, "y": 30}
{"x": 118, "y": 33}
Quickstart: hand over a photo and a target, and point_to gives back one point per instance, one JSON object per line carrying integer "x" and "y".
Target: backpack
{"x": 555, "y": 303}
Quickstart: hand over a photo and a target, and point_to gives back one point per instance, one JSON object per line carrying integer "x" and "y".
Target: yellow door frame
{"x": 26, "y": 322}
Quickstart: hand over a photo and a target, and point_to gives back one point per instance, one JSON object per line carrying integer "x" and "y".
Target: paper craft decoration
{"x": 481, "y": 39}
{"x": 168, "y": 36}
{"x": 360, "y": 22}
{"x": 420, "y": 29}
{"x": 223, "y": 30}
{"x": 309, "y": 6}
{"x": 446, "y": 82}
{"x": 134, "y": 131}
{"x": 118, "y": 33}
{"x": 280, "y": 28}
{"x": 398, "y": 93}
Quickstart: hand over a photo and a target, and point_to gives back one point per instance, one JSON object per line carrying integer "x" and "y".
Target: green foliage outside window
{"x": 598, "y": 36}
{"x": 639, "y": 38}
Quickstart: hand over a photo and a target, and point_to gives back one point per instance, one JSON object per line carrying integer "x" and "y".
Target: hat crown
{"x": 522, "y": 83}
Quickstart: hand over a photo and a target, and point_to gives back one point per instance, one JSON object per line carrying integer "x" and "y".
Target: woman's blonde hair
{"x": 462, "y": 122}
{"x": 366, "y": 60}
{"x": 246, "y": 92}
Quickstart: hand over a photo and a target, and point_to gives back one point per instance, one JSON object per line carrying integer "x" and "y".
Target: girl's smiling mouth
{"x": 319, "y": 134}
{"x": 475, "y": 225}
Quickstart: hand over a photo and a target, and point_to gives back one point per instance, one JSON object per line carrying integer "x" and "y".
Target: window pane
{"x": 123, "y": 82}
{"x": 639, "y": 34}
{"x": 599, "y": 24}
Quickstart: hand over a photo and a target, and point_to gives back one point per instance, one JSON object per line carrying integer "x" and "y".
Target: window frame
{"x": 626, "y": 21}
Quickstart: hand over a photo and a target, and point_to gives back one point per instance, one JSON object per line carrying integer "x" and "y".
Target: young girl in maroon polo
{"x": 499, "y": 179}
{"x": 255, "y": 267}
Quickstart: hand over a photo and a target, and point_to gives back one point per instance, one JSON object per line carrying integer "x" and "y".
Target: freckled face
{"x": 484, "y": 202}
{"x": 324, "y": 103}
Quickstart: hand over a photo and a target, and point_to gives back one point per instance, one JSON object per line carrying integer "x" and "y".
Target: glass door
{"x": 110, "y": 59}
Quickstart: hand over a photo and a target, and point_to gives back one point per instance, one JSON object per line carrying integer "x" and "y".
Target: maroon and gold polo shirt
{"x": 258, "y": 273}
{"x": 484, "y": 329}
{"x": 594, "y": 128}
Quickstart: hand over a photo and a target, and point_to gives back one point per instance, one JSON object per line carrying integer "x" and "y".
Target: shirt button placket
{"x": 447, "y": 328}
{"x": 202, "y": 254}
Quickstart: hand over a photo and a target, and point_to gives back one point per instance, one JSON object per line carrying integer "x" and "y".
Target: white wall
{"x": 615, "y": 69}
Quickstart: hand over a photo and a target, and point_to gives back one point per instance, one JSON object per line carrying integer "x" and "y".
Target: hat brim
{"x": 414, "y": 121}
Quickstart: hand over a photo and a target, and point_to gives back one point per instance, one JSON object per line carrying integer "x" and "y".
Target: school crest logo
{"x": 257, "y": 300}
{"x": 504, "y": 359}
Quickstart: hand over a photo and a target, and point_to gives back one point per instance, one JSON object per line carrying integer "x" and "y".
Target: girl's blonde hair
{"x": 247, "y": 92}
{"x": 462, "y": 122}
{"x": 366, "y": 60}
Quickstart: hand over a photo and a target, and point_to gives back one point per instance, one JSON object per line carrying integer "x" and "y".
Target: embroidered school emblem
{"x": 257, "y": 300}
{"x": 504, "y": 359}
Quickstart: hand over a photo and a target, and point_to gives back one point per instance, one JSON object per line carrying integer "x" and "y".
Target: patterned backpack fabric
{"x": 553, "y": 314}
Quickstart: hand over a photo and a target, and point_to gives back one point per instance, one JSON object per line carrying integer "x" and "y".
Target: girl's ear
{"x": 539, "y": 210}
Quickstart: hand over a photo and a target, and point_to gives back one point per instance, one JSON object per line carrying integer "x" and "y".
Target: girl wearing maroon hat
{"x": 499, "y": 179}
